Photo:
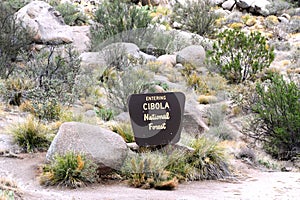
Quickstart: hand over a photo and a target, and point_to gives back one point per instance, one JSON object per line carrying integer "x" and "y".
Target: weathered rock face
{"x": 48, "y": 27}
{"x": 45, "y": 22}
{"x": 105, "y": 147}
{"x": 192, "y": 122}
{"x": 194, "y": 54}
{"x": 254, "y": 6}
{"x": 244, "y": 3}
{"x": 80, "y": 37}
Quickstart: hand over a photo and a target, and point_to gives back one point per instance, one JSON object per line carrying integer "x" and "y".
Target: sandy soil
{"x": 249, "y": 184}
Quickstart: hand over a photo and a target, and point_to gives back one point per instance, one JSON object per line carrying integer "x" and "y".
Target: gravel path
{"x": 251, "y": 184}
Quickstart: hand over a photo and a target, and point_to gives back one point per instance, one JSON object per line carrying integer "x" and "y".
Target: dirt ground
{"x": 249, "y": 183}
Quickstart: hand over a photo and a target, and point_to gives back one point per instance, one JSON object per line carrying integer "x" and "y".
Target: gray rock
{"x": 228, "y": 5}
{"x": 147, "y": 57}
{"x": 283, "y": 20}
{"x": 194, "y": 54}
{"x": 217, "y": 2}
{"x": 123, "y": 47}
{"x": 7, "y": 144}
{"x": 193, "y": 123}
{"x": 260, "y": 7}
{"x": 244, "y": 4}
{"x": 93, "y": 61}
{"x": 123, "y": 117}
{"x": 45, "y": 23}
{"x": 90, "y": 113}
{"x": 80, "y": 37}
{"x": 169, "y": 60}
{"x": 222, "y": 13}
{"x": 106, "y": 148}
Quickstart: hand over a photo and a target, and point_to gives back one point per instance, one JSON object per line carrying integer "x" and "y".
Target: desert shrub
{"x": 221, "y": 132}
{"x": 294, "y": 25}
{"x": 277, "y": 121}
{"x": 194, "y": 16}
{"x": 13, "y": 40}
{"x": 71, "y": 15}
{"x": 47, "y": 82}
{"x": 238, "y": 57}
{"x": 69, "y": 170}
{"x": 105, "y": 114}
{"x": 113, "y": 17}
{"x": 13, "y": 89}
{"x": 277, "y": 7}
{"x": 54, "y": 75}
{"x": 216, "y": 114}
{"x": 206, "y": 84}
{"x": 119, "y": 86}
{"x": 31, "y": 135}
{"x": 125, "y": 131}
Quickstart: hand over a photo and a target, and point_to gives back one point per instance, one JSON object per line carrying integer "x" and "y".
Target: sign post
{"x": 156, "y": 118}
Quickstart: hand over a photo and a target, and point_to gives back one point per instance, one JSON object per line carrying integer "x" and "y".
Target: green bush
{"x": 195, "y": 16}
{"x": 71, "y": 15}
{"x": 238, "y": 56}
{"x": 31, "y": 135}
{"x": 105, "y": 114}
{"x": 277, "y": 124}
{"x": 113, "y": 17}
{"x": 13, "y": 40}
{"x": 69, "y": 170}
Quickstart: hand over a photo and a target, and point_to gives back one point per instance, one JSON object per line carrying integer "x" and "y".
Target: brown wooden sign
{"x": 156, "y": 117}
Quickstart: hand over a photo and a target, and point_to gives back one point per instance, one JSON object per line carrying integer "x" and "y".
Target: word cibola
{"x": 156, "y": 106}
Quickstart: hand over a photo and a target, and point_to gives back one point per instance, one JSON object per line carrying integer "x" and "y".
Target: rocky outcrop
{"x": 45, "y": 22}
{"x": 254, "y": 6}
{"x": 48, "y": 27}
{"x": 106, "y": 148}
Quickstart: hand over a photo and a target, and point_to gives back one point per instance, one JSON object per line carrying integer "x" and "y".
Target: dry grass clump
{"x": 31, "y": 135}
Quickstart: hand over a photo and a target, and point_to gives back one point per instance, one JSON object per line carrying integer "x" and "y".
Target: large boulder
{"x": 260, "y": 7}
{"x": 106, "y": 148}
{"x": 45, "y": 23}
{"x": 194, "y": 54}
{"x": 228, "y": 5}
